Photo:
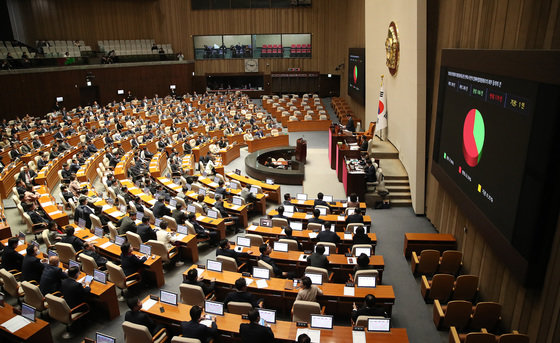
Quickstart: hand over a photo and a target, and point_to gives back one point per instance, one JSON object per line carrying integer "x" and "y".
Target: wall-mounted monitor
{"x": 357, "y": 74}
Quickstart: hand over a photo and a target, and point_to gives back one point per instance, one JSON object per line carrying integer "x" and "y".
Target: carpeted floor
{"x": 409, "y": 311}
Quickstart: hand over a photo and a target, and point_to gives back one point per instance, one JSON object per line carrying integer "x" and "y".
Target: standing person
{"x": 253, "y": 331}
{"x": 194, "y": 329}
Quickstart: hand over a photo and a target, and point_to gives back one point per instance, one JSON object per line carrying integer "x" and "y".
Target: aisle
{"x": 319, "y": 177}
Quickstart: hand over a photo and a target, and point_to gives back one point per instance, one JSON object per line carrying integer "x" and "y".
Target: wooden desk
{"x": 35, "y": 332}
{"x": 334, "y": 138}
{"x": 7, "y": 181}
{"x": 336, "y": 206}
{"x": 228, "y": 325}
{"x": 261, "y": 197}
{"x": 49, "y": 174}
{"x": 308, "y": 243}
{"x": 281, "y": 295}
{"x": 158, "y": 164}
{"x": 187, "y": 164}
{"x": 273, "y": 191}
{"x": 113, "y": 252}
{"x": 338, "y": 221}
{"x": 48, "y": 203}
{"x": 339, "y": 263}
{"x": 88, "y": 171}
{"x": 421, "y": 241}
{"x": 121, "y": 168}
{"x": 308, "y": 125}
{"x": 229, "y": 154}
{"x": 268, "y": 142}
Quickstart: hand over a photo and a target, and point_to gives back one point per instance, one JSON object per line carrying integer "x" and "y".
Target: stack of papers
{"x": 92, "y": 238}
{"x": 249, "y": 281}
{"x": 315, "y": 335}
{"x": 55, "y": 212}
{"x": 349, "y": 291}
{"x": 313, "y": 235}
{"x": 341, "y": 218}
{"x": 359, "y": 336}
{"x": 15, "y": 323}
{"x": 252, "y": 228}
{"x": 48, "y": 203}
{"x": 106, "y": 245}
{"x": 262, "y": 283}
{"x": 117, "y": 213}
{"x": 148, "y": 304}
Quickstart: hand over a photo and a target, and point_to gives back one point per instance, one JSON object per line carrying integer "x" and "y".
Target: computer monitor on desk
{"x": 167, "y": 297}
{"x": 379, "y": 324}
{"x": 215, "y": 266}
{"x": 301, "y": 196}
{"x": 146, "y": 249}
{"x": 328, "y": 198}
{"x": 214, "y": 307}
{"x": 72, "y": 263}
{"x": 268, "y": 316}
{"x": 366, "y": 281}
{"x": 321, "y": 321}
{"x": 100, "y": 276}
{"x": 28, "y": 312}
{"x": 316, "y": 279}
{"x": 119, "y": 240}
{"x": 359, "y": 251}
{"x": 212, "y": 214}
{"x": 103, "y": 338}
{"x": 261, "y": 273}
{"x": 243, "y": 241}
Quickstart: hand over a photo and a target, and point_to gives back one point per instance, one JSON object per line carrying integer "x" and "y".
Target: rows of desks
{"x": 338, "y": 220}
{"x": 268, "y": 142}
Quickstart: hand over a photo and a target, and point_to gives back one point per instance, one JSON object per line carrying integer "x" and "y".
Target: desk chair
{"x": 279, "y": 222}
{"x": 88, "y": 264}
{"x": 322, "y": 271}
{"x": 229, "y": 264}
{"x": 362, "y": 321}
{"x": 263, "y": 264}
{"x": 167, "y": 255}
{"x": 116, "y": 276}
{"x": 59, "y": 310}
{"x": 11, "y": 285}
{"x": 178, "y": 339}
{"x": 66, "y": 252}
{"x": 46, "y": 240}
{"x": 427, "y": 263}
{"x": 485, "y": 315}
{"x": 302, "y": 310}
{"x": 31, "y": 227}
{"x": 471, "y": 337}
{"x": 95, "y": 221}
{"x": 332, "y": 246}
{"x": 150, "y": 214}
{"x": 256, "y": 240}
{"x": 237, "y": 307}
{"x": 134, "y": 240}
{"x": 450, "y": 262}
{"x": 292, "y": 243}
{"x": 365, "y": 272}
{"x": 440, "y": 287}
{"x": 193, "y": 295}
{"x": 135, "y": 333}
{"x": 514, "y": 337}
{"x": 33, "y": 296}
{"x": 325, "y": 207}
{"x": 357, "y": 246}
{"x": 171, "y": 222}
{"x": 113, "y": 231}
{"x": 315, "y": 227}
{"x": 465, "y": 288}
{"x": 456, "y": 313}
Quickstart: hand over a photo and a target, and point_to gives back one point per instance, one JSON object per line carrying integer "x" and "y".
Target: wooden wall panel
{"x": 495, "y": 24}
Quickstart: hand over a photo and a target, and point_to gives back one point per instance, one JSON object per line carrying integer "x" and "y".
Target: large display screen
{"x": 356, "y": 74}
{"x": 484, "y": 135}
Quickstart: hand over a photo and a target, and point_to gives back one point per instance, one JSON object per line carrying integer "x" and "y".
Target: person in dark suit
{"x": 52, "y": 276}
{"x": 280, "y": 214}
{"x": 320, "y": 201}
{"x": 145, "y": 231}
{"x": 316, "y": 219}
{"x": 202, "y": 232}
{"x": 32, "y": 268}
{"x": 362, "y": 263}
{"x": 253, "y": 332}
{"x": 178, "y": 214}
{"x": 327, "y": 235}
{"x": 360, "y": 237}
{"x": 160, "y": 209}
{"x": 371, "y": 173}
{"x": 317, "y": 259}
{"x": 350, "y": 124}
{"x": 369, "y": 309}
{"x": 194, "y": 329}
{"x": 77, "y": 243}
{"x": 225, "y": 250}
{"x": 193, "y": 279}
{"x": 288, "y": 235}
{"x": 130, "y": 263}
{"x": 221, "y": 189}
{"x": 134, "y": 315}
{"x": 287, "y": 199}
{"x": 11, "y": 259}
{"x": 127, "y": 223}
{"x": 265, "y": 251}
{"x": 89, "y": 250}
{"x": 356, "y": 217}
{"x": 241, "y": 295}
{"x": 73, "y": 291}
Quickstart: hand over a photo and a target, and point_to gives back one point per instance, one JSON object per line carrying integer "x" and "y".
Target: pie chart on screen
{"x": 355, "y": 74}
{"x": 473, "y": 137}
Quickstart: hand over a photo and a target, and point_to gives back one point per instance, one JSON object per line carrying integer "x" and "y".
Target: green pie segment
{"x": 473, "y": 137}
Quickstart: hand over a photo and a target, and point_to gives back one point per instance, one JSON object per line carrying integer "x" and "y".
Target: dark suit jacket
{"x": 32, "y": 268}
{"x": 316, "y": 220}
{"x": 368, "y": 311}
{"x": 321, "y": 202}
{"x": 244, "y": 297}
{"x": 146, "y": 233}
{"x": 130, "y": 264}
{"x": 74, "y": 293}
{"x": 179, "y": 216}
{"x": 231, "y": 253}
{"x": 160, "y": 210}
{"x": 126, "y": 224}
{"x": 354, "y": 218}
{"x": 11, "y": 259}
{"x": 99, "y": 260}
{"x": 75, "y": 241}
{"x": 193, "y": 329}
{"x": 140, "y": 318}
{"x": 51, "y": 279}
{"x": 361, "y": 239}
{"x": 328, "y": 236}
{"x": 255, "y": 333}
{"x": 316, "y": 260}
{"x": 269, "y": 260}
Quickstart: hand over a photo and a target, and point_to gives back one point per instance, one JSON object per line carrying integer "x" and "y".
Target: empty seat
{"x": 59, "y": 310}
{"x": 135, "y": 333}
{"x": 450, "y": 262}
{"x": 465, "y": 288}
{"x": 486, "y": 315}
{"x": 302, "y": 310}
{"x": 427, "y": 263}
{"x": 456, "y": 313}
{"x": 440, "y": 287}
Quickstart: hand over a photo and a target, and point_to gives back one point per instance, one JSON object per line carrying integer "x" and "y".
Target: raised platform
{"x": 255, "y": 168}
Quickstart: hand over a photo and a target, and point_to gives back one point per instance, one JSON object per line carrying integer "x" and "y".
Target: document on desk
{"x": 180, "y": 236}
{"x": 55, "y": 213}
{"x": 152, "y": 202}
{"x": 105, "y": 207}
{"x": 106, "y": 245}
{"x": 15, "y": 323}
{"x": 341, "y": 218}
{"x": 164, "y": 180}
{"x": 208, "y": 323}
{"x": 23, "y": 252}
{"x": 315, "y": 335}
{"x": 262, "y": 283}
{"x": 148, "y": 304}
{"x": 92, "y": 238}
{"x": 117, "y": 213}
{"x": 213, "y": 184}
{"x": 199, "y": 271}
{"x": 48, "y": 203}
{"x": 308, "y": 216}
{"x": 349, "y": 291}
{"x": 348, "y": 236}
{"x": 252, "y": 228}
{"x": 359, "y": 336}
{"x": 235, "y": 207}
{"x": 313, "y": 235}
{"x": 248, "y": 281}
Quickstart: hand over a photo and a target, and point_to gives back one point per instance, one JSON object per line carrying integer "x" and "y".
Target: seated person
{"x": 192, "y": 278}
{"x": 362, "y": 262}
{"x": 371, "y": 173}
{"x": 130, "y": 263}
{"x": 320, "y": 201}
{"x": 160, "y": 209}
{"x": 241, "y": 295}
{"x": 253, "y": 331}
{"x": 11, "y": 259}
{"x": 317, "y": 259}
{"x": 200, "y": 201}
{"x": 303, "y": 338}
{"x": 32, "y": 268}
{"x": 52, "y": 276}
{"x": 265, "y": 251}
{"x": 221, "y": 189}
{"x": 369, "y": 309}
{"x": 353, "y": 201}
{"x": 194, "y": 329}
{"x": 280, "y": 214}
{"x": 145, "y": 231}
{"x": 73, "y": 291}
{"x": 308, "y": 291}
{"x": 77, "y": 243}
{"x": 287, "y": 199}
{"x": 316, "y": 219}
{"x": 89, "y": 250}
{"x": 165, "y": 236}
{"x": 178, "y": 214}
{"x": 134, "y": 315}
{"x": 247, "y": 195}
{"x": 328, "y": 235}
{"x": 356, "y": 217}
{"x": 127, "y": 223}
{"x": 289, "y": 235}
{"x": 225, "y": 250}
{"x": 360, "y": 237}
{"x": 201, "y": 232}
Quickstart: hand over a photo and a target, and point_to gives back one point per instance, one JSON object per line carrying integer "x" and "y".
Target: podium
{"x": 301, "y": 150}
